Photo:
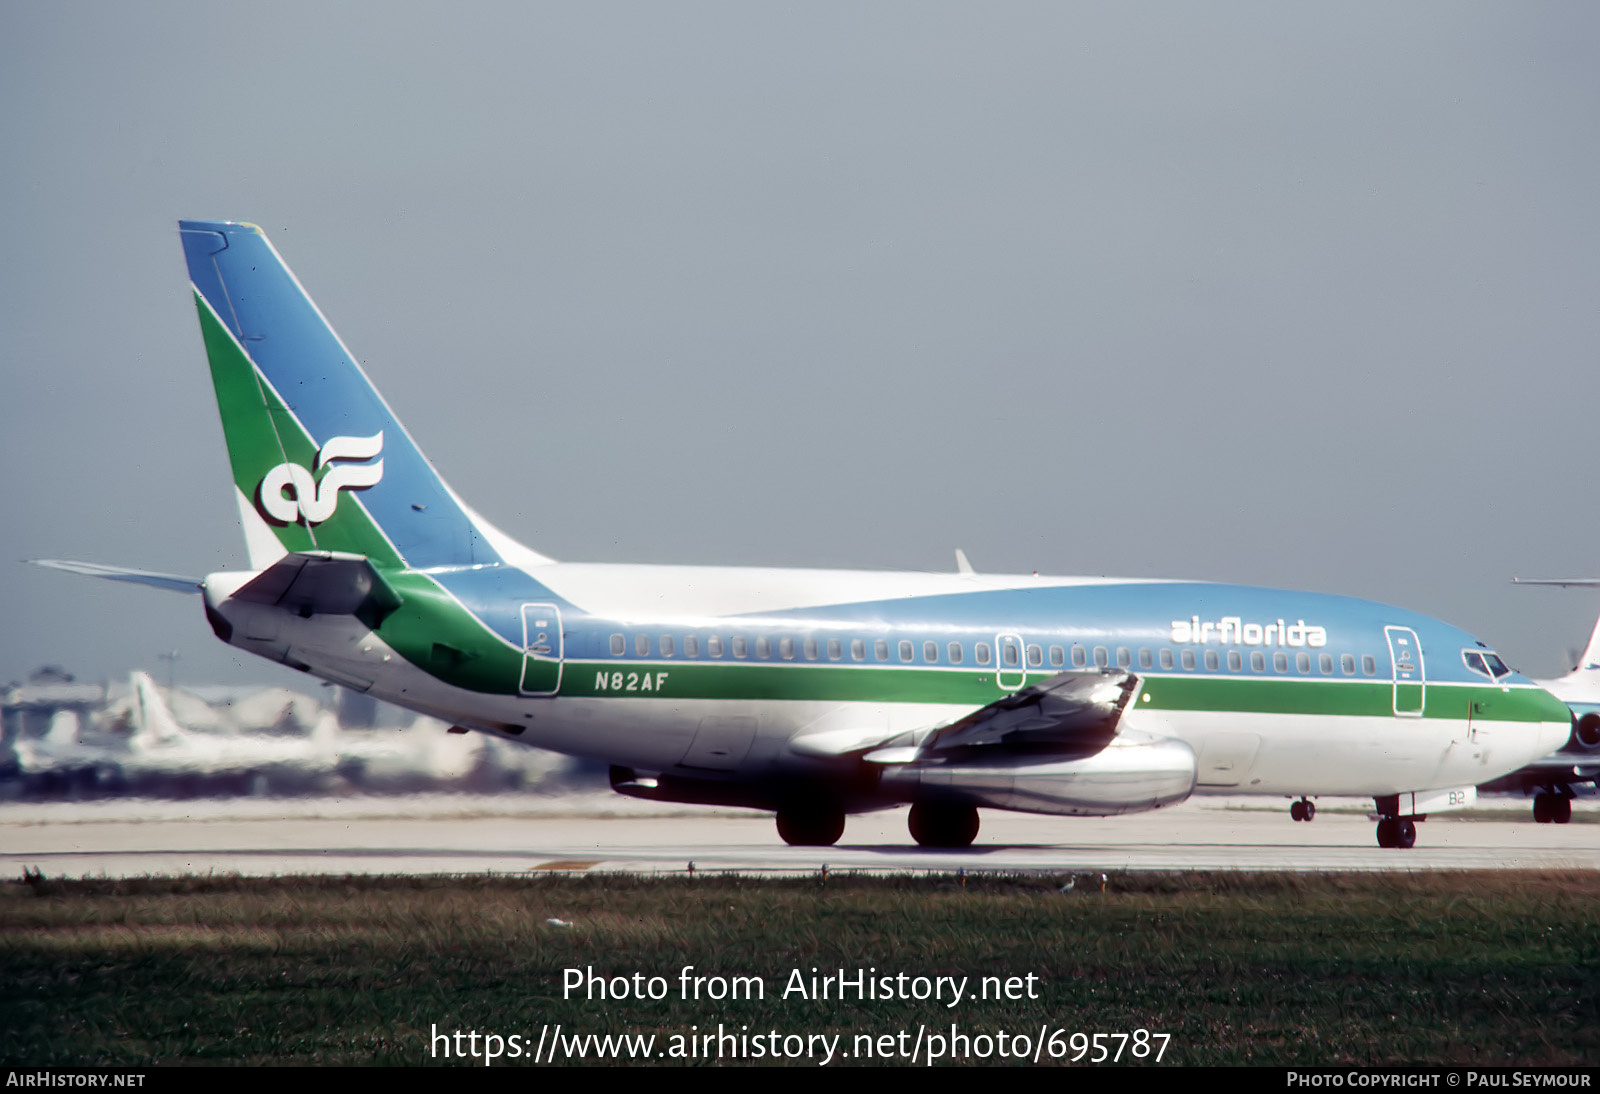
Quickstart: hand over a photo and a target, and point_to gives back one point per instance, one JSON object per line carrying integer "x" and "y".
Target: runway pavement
{"x": 511, "y": 834}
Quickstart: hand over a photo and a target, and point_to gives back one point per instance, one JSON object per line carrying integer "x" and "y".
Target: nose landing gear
{"x": 1303, "y": 810}
{"x": 1397, "y": 832}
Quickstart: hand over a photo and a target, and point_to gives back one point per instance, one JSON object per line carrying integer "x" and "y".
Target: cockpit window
{"x": 1496, "y": 666}
{"x": 1475, "y": 662}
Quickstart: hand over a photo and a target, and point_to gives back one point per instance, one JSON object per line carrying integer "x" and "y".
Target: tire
{"x": 1386, "y": 833}
{"x": 943, "y": 825}
{"x": 1561, "y": 811}
{"x": 811, "y": 825}
{"x": 1405, "y": 833}
{"x": 1542, "y": 812}
{"x": 1297, "y": 811}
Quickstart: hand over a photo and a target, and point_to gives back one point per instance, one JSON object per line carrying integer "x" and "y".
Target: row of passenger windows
{"x": 955, "y": 653}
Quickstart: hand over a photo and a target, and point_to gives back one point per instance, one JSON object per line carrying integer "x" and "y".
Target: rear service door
{"x": 541, "y": 649}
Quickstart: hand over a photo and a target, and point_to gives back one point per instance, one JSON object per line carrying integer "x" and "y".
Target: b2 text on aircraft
{"x": 807, "y": 692}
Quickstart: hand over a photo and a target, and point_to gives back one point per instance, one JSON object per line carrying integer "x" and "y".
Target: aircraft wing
{"x": 1072, "y": 712}
{"x": 170, "y": 582}
{"x": 1564, "y": 582}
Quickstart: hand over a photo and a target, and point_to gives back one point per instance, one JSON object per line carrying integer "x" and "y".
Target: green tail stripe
{"x": 262, "y": 432}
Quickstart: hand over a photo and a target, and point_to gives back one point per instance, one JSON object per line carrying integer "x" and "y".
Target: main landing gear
{"x": 943, "y": 825}
{"x": 811, "y": 824}
{"x": 1552, "y": 808}
{"x": 1397, "y": 832}
{"x": 1303, "y": 810}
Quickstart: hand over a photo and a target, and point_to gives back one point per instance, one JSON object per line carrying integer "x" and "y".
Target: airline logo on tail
{"x": 289, "y": 493}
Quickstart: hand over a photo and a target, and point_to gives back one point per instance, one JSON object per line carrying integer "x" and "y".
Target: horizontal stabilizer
{"x": 323, "y": 583}
{"x": 170, "y": 582}
{"x": 1564, "y": 582}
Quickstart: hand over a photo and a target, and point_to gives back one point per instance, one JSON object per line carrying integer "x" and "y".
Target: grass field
{"x": 1478, "y": 968}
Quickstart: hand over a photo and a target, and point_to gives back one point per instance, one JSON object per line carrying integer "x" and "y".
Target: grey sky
{"x": 1302, "y": 296}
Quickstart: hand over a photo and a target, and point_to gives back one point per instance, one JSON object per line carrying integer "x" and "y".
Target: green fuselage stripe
{"x": 910, "y": 684}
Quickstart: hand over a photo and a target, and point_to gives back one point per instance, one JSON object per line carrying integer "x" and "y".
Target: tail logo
{"x": 315, "y": 501}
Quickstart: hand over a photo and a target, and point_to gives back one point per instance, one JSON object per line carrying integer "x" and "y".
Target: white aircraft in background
{"x": 1553, "y": 780}
{"x": 158, "y": 753}
{"x": 811, "y": 693}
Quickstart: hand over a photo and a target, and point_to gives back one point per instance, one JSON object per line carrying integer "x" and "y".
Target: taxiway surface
{"x": 508, "y": 834}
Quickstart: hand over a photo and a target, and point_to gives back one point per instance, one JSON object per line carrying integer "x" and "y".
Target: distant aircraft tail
{"x": 319, "y": 460}
{"x": 153, "y": 723}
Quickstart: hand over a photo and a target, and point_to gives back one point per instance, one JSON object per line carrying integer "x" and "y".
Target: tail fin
{"x": 319, "y": 460}
{"x": 1590, "y": 660}
{"x": 153, "y": 723}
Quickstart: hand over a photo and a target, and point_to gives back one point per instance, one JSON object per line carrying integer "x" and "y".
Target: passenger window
{"x": 1280, "y": 662}
{"x": 1211, "y": 660}
{"x": 1369, "y": 664}
{"x": 880, "y": 648}
{"x": 905, "y": 650}
{"x": 666, "y": 645}
{"x": 1302, "y": 662}
{"x": 954, "y": 649}
{"x": 1035, "y": 656}
{"x": 619, "y": 645}
{"x": 1325, "y": 663}
{"x": 714, "y": 646}
{"x": 1347, "y": 664}
{"x": 786, "y": 648}
{"x": 1258, "y": 661}
{"x": 858, "y": 649}
{"x": 1145, "y": 659}
{"x": 1235, "y": 662}
{"x": 1124, "y": 656}
{"x": 740, "y": 647}
{"x": 983, "y": 653}
{"x": 1166, "y": 659}
{"x": 763, "y": 648}
{"x": 1079, "y": 658}
{"x": 1186, "y": 657}
{"x": 811, "y": 649}
{"x": 1058, "y": 656}
{"x": 641, "y": 645}
{"x": 930, "y": 652}
{"x": 1009, "y": 654}
{"x": 1101, "y": 657}
{"x": 835, "y": 649}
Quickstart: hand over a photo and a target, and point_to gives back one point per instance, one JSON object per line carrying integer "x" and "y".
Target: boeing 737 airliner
{"x": 814, "y": 694}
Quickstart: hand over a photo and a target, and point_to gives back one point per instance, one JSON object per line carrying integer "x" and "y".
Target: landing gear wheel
{"x": 1308, "y": 810}
{"x": 811, "y": 825}
{"x": 943, "y": 825}
{"x": 1386, "y": 832}
{"x": 1543, "y": 813}
{"x": 1405, "y": 833}
{"x": 1297, "y": 811}
{"x": 1561, "y": 811}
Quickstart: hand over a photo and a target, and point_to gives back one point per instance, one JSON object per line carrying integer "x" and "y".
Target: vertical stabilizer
{"x": 319, "y": 460}
{"x": 153, "y": 723}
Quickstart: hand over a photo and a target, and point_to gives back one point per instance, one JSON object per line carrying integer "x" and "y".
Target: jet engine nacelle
{"x": 1133, "y": 773}
{"x": 1585, "y": 733}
